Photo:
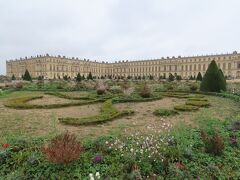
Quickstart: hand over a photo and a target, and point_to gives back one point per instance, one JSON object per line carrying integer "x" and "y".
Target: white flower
{"x": 91, "y": 176}
{"x": 131, "y": 149}
{"x": 97, "y": 175}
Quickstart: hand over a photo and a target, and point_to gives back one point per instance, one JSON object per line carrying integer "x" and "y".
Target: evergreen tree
{"x": 40, "y": 78}
{"x": 13, "y": 77}
{"x": 151, "y": 77}
{"x": 27, "y": 76}
{"x": 171, "y": 77}
{"x": 65, "y": 77}
{"x": 143, "y": 77}
{"x": 90, "y": 76}
{"x": 83, "y": 77}
{"x": 164, "y": 76}
{"x": 179, "y": 78}
{"x": 199, "y": 76}
{"x": 78, "y": 78}
{"x": 222, "y": 80}
{"x": 213, "y": 80}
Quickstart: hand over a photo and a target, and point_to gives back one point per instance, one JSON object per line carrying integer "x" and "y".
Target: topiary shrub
{"x": 198, "y": 103}
{"x": 63, "y": 149}
{"x": 199, "y": 76}
{"x": 27, "y": 76}
{"x": 185, "y": 107}
{"x": 165, "y": 112}
{"x": 213, "y": 80}
{"x": 145, "y": 92}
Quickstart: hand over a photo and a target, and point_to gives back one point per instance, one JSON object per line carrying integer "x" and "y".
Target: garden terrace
{"x": 155, "y": 140}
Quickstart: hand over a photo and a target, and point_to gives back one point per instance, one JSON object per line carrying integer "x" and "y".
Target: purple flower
{"x": 98, "y": 159}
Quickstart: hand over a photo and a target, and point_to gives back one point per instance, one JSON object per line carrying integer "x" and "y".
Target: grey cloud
{"x": 117, "y": 29}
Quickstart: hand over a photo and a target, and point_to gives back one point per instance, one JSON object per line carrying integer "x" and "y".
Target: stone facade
{"x": 53, "y": 67}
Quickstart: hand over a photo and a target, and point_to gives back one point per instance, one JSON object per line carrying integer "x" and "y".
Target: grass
{"x": 108, "y": 113}
{"x": 165, "y": 112}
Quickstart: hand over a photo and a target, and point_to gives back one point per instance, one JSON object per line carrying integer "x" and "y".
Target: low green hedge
{"x": 65, "y": 96}
{"x": 165, "y": 112}
{"x": 185, "y": 107}
{"x": 198, "y": 103}
{"x": 197, "y": 99}
{"x": 21, "y": 103}
{"x": 123, "y": 99}
{"x": 108, "y": 113}
{"x": 176, "y": 95}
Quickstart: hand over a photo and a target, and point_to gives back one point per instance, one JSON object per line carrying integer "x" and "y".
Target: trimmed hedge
{"x": 123, "y": 99}
{"x": 197, "y": 99}
{"x": 65, "y": 96}
{"x": 21, "y": 103}
{"x": 108, "y": 113}
{"x": 185, "y": 107}
{"x": 165, "y": 112}
{"x": 198, "y": 103}
{"x": 176, "y": 95}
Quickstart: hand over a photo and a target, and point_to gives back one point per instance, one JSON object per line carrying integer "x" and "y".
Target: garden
{"x": 121, "y": 129}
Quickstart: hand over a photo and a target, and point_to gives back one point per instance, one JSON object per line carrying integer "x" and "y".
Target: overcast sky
{"x": 117, "y": 29}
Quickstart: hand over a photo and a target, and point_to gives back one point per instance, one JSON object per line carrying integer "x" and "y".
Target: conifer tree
{"x": 171, "y": 77}
{"x": 222, "y": 80}
{"x": 78, "y": 78}
{"x": 65, "y": 77}
{"x": 13, "y": 77}
{"x": 27, "y": 76}
{"x": 90, "y": 76}
{"x": 199, "y": 76}
{"x": 213, "y": 80}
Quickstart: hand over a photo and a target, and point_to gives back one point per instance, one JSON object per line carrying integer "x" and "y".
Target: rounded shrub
{"x": 101, "y": 91}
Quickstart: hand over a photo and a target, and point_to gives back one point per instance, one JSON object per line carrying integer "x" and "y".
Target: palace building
{"x": 51, "y": 67}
